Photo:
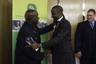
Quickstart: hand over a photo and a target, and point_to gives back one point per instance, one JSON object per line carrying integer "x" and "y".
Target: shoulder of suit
{"x": 83, "y": 23}
{"x": 65, "y": 20}
{"x": 66, "y": 23}
{"x": 26, "y": 27}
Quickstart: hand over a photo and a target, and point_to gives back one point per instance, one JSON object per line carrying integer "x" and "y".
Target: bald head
{"x": 57, "y": 8}
{"x": 57, "y": 12}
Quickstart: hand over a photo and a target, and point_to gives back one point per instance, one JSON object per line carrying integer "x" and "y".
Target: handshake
{"x": 35, "y": 46}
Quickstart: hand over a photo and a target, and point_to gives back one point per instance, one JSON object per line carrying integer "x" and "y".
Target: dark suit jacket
{"x": 85, "y": 41}
{"x": 60, "y": 44}
{"x": 27, "y": 55}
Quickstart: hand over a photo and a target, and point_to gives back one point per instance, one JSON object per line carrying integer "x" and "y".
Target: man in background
{"x": 85, "y": 39}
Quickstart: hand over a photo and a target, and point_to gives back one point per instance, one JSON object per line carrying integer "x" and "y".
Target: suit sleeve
{"x": 78, "y": 38}
{"x": 59, "y": 38}
{"x": 46, "y": 29}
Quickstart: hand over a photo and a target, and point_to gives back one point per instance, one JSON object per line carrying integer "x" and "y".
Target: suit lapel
{"x": 90, "y": 25}
{"x": 56, "y": 30}
{"x": 58, "y": 27}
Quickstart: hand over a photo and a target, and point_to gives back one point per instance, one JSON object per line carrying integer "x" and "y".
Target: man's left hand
{"x": 35, "y": 46}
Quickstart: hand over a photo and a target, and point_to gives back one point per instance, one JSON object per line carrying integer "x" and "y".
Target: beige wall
{"x": 5, "y": 31}
{"x": 90, "y": 4}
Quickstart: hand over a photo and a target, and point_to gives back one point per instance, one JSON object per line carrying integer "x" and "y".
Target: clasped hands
{"x": 78, "y": 54}
{"x": 34, "y": 45}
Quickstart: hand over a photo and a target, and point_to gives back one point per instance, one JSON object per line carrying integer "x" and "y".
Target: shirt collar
{"x": 60, "y": 18}
{"x": 91, "y": 21}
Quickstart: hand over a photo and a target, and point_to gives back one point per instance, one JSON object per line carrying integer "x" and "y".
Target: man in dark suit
{"x": 85, "y": 39}
{"x": 60, "y": 44}
{"x": 28, "y": 34}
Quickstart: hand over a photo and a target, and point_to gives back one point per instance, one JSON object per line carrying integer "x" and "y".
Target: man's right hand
{"x": 78, "y": 54}
{"x": 35, "y": 45}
